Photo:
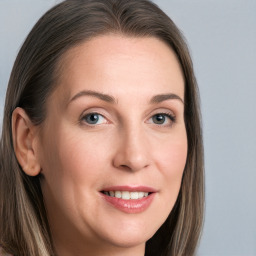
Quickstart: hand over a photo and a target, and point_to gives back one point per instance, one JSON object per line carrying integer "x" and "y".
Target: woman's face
{"x": 114, "y": 124}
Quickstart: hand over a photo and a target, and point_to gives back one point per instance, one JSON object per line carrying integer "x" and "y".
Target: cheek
{"x": 80, "y": 157}
{"x": 172, "y": 156}
{"x": 71, "y": 169}
{"x": 171, "y": 161}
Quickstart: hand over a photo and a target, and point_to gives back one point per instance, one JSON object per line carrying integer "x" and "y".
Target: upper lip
{"x": 130, "y": 188}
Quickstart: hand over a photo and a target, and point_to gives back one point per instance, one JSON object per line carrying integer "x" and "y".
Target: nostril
{"x": 130, "y": 162}
{"x": 125, "y": 166}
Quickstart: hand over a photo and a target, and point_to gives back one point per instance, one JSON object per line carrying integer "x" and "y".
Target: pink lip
{"x": 130, "y": 188}
{"x": 131, "y": 205}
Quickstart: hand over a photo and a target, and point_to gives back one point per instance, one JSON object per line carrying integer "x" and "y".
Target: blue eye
{"x": 163, "y": 119}
{"x": 94, "y": 119}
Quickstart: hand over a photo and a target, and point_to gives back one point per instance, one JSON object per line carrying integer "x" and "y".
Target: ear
{"x": 24, "y": 135}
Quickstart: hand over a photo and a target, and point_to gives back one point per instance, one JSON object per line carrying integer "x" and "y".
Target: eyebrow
{"x": 162, "y": 97}
{"x": 101, "y": 96}
{"x": 110, "y": 99}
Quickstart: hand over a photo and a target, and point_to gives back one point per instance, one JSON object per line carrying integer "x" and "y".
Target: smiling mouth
{"x": 127, "y": 195}
{"x": 130, "y": 199}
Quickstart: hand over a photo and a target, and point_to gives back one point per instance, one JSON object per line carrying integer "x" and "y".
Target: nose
{"x": 133, "y": 151}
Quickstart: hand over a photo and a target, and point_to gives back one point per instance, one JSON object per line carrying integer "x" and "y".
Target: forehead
{"x": 115, "y": 63}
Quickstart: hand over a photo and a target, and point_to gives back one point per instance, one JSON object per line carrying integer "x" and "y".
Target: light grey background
{"x": 222, "y": 38}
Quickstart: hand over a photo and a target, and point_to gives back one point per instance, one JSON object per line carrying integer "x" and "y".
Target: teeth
{"x": 112, "y": 193}
{"x": 141, "y": 194}
{"x": 134, "y": 195}
{"x": 126, "y": 195}
{"x": 118, "y": 194}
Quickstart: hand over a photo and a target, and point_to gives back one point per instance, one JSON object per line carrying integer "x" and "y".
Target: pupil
{"x": 92, "y": 118}
{"x": 159, "y": 119}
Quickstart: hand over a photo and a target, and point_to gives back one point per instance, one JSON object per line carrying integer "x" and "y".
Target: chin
{"x": 129, "y": 240}
{"x": 130, "y": 235}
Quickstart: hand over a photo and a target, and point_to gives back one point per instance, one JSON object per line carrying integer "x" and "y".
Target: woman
{"x": 101, "y": 149}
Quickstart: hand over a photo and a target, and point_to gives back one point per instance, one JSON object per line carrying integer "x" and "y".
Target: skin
{"x": 126, "y": 146}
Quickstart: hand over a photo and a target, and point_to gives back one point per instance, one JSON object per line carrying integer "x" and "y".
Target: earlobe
{"x": 24, "y": 136}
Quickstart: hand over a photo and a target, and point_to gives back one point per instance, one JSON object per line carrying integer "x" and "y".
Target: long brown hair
{"x": 23, "y": 222}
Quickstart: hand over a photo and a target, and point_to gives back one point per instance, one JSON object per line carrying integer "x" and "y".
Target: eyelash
{"x": 170, "y": 116}
{"x": 83, "y": 118}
